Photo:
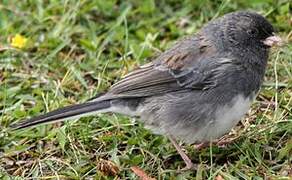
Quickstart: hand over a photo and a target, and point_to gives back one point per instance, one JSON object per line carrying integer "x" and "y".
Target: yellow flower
{"x": 18, "y": 41}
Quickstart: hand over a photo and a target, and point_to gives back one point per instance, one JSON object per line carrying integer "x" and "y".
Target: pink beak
{"x": 273, "y": 40}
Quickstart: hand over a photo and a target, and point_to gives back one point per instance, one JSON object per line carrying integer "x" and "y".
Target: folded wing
{"x": 179, "y": 68}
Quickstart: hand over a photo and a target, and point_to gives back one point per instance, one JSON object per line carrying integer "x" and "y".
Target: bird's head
{"x": 244, "y": 29}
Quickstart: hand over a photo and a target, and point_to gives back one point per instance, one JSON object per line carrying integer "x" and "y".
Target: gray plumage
{"x": 195, "y": 91}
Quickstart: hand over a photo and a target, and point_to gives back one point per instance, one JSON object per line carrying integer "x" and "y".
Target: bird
{"x": 196, "y": 90}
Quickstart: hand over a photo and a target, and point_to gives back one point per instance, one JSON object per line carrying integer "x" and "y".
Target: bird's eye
{"x": 252, "y": 32}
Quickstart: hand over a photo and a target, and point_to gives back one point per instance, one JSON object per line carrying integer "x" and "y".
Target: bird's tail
{"x": 79, "y": 110}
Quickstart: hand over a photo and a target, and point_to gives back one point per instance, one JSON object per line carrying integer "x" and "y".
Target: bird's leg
{"x": 201, "y": 146}
{"x": 222, "y": 142}
{"x": 184, "y": 156}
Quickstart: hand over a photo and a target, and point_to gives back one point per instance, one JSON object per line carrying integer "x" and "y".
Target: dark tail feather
{"x": 64, "y": 113}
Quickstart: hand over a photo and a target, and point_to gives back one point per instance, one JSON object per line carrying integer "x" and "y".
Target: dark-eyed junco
{"x": 197, "y": 90}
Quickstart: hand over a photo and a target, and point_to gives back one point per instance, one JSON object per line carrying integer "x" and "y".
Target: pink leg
{"x": 224, "y": 142}
{"x": 187, "y": 160}
{"x": 220, "y": 143}
{"x": 201, "y": 146}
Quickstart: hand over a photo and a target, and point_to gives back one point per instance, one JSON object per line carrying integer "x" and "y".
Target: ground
{"x": 56, "y": 53}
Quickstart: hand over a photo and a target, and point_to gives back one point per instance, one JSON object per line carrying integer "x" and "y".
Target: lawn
{"x": 69, "y": 51}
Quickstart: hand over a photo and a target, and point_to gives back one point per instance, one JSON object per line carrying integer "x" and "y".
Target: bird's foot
{"x": 223, "y": 142}
{"x": 201, "y": 146}
{"x": 189, "y": 167}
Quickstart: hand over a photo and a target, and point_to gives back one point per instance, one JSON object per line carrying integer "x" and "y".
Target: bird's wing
{"x": 182, "y": 67}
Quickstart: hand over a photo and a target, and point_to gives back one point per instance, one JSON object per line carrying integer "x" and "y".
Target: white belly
{"x": 227, "y": 117}
{"x": 224, "y": 119}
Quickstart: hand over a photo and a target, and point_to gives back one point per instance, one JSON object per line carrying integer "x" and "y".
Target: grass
{"x": 77, "y": 49}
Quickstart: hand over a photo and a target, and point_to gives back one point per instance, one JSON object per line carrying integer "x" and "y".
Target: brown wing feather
{"x": 157, "y": 77}
{"x": 144, "y": 82}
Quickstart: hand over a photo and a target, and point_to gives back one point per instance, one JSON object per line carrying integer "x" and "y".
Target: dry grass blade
{"x": 141, "y": 174}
